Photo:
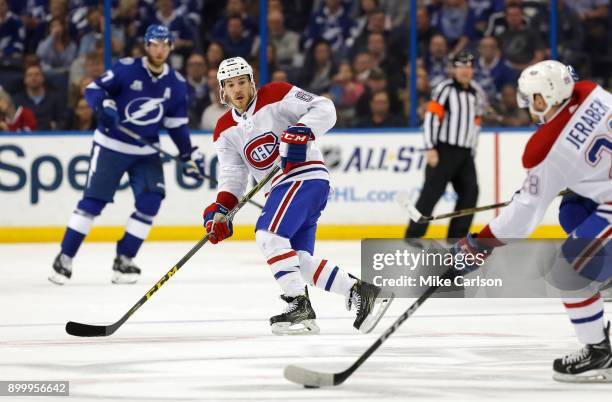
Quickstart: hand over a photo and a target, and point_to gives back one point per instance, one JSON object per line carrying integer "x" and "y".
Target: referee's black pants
{"x": 455, "y": 165}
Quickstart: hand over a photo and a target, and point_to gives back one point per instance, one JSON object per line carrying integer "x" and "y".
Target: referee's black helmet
{"x": 463, "y": 58}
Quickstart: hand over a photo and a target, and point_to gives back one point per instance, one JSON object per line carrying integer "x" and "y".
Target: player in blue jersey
{"x": 144, "y": 95}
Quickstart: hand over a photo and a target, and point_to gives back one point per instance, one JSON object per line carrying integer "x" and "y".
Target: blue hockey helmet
{"x": 157, "y": 32}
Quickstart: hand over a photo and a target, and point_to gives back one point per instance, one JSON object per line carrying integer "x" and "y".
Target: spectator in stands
{"x": 436, "y": 61}
{"x": 318, "y": 77}
{"x": 456, "y": 21}
{"x": 345, "y": 92}
{"x": 498, "y": 24}
{"x": 380, "y": 114}
{"x": 237, "y": 42}
{"x": 483, "y": 9}
{"x": 521, "y": 45}
{"x": 197, "y": 88}
{"x": 383, "y": 59}
{"x": 332, "y": 23}
{"x": 35, "y": 19}
{"x": 279, "y": 76}
{"x": 376, "y": 22}
{"x": 215, "y": 53}
{"x": 12, "y": 36}
{"x": 362, "y": 65}
{"x": 507, "y": 113}
{"x": 57, "y": 51}
{"x": 377, "y": 81}
{"x": 47, "y": 106}
{"x": 491, "y": 70}
{"x": 570, "y": 35}
{"x": 93, "y": 33}
{"x": 286, "y": 42}
{"x": 398, "y": 11}
{"x": 91, "y": 65}
{"x": 83, "y": 118}
{"x": 183, "y": 35}
{"x": 235, "y": 8}
{"x": 361, "y": 13}
{"x": 127, "y": 19}
{"x": 595, "y": 15}
{"x": 424, "y": 31}
{"x": 77, "y": 91}
{"x": 297, "y": 13}
{"x": 215, "y": 110}
{"x": 423, "y": 93}
{"x": 11, "y": 119}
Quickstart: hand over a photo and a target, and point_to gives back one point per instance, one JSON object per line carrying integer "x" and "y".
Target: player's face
{"x": 157, "y": 53}
{"x": 464, "y": 73}
{"x": 239, "y": 91}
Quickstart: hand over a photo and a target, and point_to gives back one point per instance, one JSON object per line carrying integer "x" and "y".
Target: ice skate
{"x": 298, "y": 318}
{"x": 370, "y": 303}
{"x": 62, "y": 269}
{"x": 124, "y": 270}
{"x": 592, "y": 363}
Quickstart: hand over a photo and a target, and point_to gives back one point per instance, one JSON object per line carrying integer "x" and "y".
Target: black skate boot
{"x": 298, "y": 318}
{"x": 124, "y": 270}
{"x": 592, "y": 363}
{"x": 606, "y": 290}
{"x": 371, "y": 302}
{"x": 62, "y": 269}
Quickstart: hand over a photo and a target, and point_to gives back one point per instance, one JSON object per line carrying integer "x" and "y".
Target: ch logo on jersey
{"x": 144, "y": 111}
{"x": 262, "y": 151}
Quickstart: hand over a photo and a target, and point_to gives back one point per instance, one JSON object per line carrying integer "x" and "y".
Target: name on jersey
{"x": 586, "y": 123}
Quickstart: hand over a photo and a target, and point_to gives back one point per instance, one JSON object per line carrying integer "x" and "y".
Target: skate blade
{"x": 124, "y": 279}
{"x": 591, "y": 376}
{"x": 381, "y": 304}
{"x": 58, "y": 279}
{"x": 306, "y": 327}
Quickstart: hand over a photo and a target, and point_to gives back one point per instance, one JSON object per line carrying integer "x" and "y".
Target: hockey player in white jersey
{"x": 280, "y": 118}
{"x": 571, "y": 149}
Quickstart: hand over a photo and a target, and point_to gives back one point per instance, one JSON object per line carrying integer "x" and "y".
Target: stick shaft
{"x": 159, "y": 149}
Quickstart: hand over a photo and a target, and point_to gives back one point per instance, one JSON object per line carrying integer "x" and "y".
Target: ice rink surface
{"x": 205, "y": 336}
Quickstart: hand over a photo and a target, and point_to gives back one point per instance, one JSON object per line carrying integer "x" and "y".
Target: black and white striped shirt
{"x": 454, "y": 114}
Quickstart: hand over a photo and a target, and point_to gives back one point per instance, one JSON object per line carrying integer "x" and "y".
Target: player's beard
{"x": 156, "y": 64}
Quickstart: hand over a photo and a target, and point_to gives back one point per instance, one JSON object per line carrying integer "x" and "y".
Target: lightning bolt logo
{"x": 141, "y": 107}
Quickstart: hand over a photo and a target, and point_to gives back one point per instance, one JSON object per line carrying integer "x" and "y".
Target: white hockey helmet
{"x": 230, "y": 68}
{"x": 551, "y": 79}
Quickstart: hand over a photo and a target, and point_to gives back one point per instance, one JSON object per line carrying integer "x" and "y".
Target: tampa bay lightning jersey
{"x": 146, "y": 104}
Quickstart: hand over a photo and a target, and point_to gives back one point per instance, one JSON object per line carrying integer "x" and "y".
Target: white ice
{"x": 204, "y": 336}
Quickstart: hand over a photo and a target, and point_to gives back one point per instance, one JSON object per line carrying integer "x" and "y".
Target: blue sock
{"x": 136, "y": 231}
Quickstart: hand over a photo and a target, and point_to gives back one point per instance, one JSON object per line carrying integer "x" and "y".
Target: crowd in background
{"x": 355, "y": 52}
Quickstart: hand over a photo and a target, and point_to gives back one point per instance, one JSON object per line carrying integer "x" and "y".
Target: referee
{"x": 452, "y": 126}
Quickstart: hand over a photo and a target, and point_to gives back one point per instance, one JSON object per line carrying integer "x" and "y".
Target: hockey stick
{"x": 404, "y": 200}
{"x": 159, "y": 149}
{"x": 315, "y": 379}
{"x": 78, "y": 329}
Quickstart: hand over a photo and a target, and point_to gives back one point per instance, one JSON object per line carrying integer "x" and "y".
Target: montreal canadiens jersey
{"x": 248, "y": 143}
{"x": 146, "y": 104}
{"x": 574, "y": 151}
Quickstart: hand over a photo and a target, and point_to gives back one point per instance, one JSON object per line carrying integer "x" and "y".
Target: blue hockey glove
{"x": 294, "y": 146}
{"x": 193, "y": 164}
{"x": 468, "y": 255}
{"x": 107, "y": 114}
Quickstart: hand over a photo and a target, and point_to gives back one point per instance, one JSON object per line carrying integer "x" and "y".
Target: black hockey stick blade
{"x": 78, "y": 329}
{"x": 315, "y": 379}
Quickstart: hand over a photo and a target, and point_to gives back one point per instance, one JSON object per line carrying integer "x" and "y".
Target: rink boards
{"x": 42, "y": 176}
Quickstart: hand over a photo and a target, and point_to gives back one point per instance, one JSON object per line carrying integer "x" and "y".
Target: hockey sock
{"x": 284, "y": 262}
{"x": 80, "y": 224}
{"x": 325, "y": 275}
{"x": 587, "y": 316}
{"x": 136, "y": 231}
